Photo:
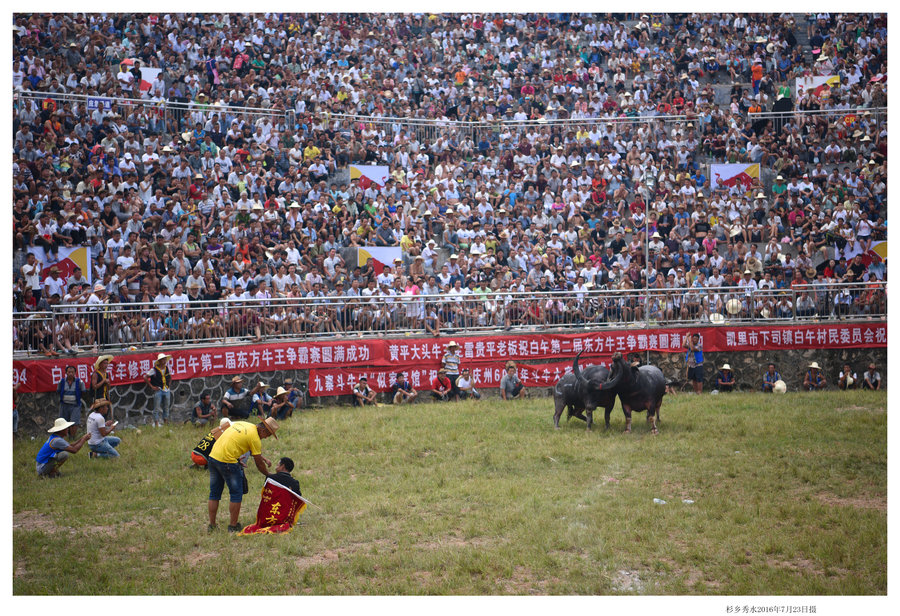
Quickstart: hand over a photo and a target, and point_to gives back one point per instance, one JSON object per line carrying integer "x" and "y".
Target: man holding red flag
{"x": 280, "y": 504}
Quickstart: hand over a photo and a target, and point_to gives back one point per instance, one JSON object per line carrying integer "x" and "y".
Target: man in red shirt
{"x": 441, "y": 386}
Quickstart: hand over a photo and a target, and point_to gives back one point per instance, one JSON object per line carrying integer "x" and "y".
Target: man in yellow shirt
{"x": 311, "y": 152}
{"x": 224, "y": 468}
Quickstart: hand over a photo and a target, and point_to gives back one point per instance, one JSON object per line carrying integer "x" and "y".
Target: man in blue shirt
{"x": 55, "y": 451}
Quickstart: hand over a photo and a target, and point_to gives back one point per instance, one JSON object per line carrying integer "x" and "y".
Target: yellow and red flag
{"x": 278, "y": 509}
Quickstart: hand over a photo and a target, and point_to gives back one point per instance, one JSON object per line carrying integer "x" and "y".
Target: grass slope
{"x": 487, "y": 498}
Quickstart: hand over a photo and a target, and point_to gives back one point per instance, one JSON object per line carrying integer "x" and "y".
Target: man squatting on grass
{"x": 224, "y": 469}
{"x": 403, "y": 390}
{"x": 55, "y": 451}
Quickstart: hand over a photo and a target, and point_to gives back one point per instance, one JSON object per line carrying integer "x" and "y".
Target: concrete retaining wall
{"x": 133, "y": 404}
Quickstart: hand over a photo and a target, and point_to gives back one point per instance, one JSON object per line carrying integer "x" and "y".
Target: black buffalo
{"x": 582, "y": 392}
{"x": 638, "y": 389}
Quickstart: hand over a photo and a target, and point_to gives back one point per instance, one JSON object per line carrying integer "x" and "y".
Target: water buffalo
{"x": 638, "y": 389}
{"x": 583, "y": 391}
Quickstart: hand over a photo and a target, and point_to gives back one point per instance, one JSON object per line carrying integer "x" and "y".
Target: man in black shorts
{"x": 694, "y": 358}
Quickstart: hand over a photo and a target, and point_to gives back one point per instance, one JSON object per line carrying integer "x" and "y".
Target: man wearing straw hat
{"x": 159, "y": 379}
{"x": 55, "y": 450}
{"x": 814, "y": 379}
{"x": 225, "y": 469}
{"x": 725, "y": 378}
{"x": 99, "y": 427}
{"x": 99, "y": 378}
{"x": 450, "y": 364}
{"x": 236, "y": 401}
{"x": 281, "y": 405}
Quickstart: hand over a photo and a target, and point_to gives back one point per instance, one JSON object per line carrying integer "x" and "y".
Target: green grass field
{"x": 790, "y": 497}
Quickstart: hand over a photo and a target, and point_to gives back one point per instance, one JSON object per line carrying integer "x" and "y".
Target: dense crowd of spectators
{"x": 575, "y": 167}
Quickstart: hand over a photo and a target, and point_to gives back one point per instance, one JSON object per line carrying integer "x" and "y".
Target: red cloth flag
{"x": 278, "y": 509}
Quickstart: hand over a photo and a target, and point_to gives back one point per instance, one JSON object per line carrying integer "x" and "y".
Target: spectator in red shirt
{"x": 441, "y": 386}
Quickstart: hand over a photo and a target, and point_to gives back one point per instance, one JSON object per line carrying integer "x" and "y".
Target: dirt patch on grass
{"x": 196, "y": 557}
{"x": 453, "y": 542}
{"x": 853, "y": 409}
{"x": 524, "y": 582}
{"x": 796, "y": 565}
{"x": 859, "y": 502}
{"x": 34, "y": 520}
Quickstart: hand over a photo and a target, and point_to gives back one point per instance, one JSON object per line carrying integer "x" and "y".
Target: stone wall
{"x": 133, "y": 404}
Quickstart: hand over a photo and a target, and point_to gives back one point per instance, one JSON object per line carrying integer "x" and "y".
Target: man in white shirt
{"x": 32, "y": 273}
{"x": 53, "y": 284}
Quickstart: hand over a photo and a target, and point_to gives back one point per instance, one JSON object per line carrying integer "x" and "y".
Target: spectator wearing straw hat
{"x": 240, "y": 438}
{"x": 100, "y": 378}
{"x": 450, "y": 364}
{"x": 236, "y": 400}
{"x": 281, "y": 406}
{"x": 260, "y": 401}
{"x": 725, "y": 378}
{"x": 56, "y": 449}
{"x": 99, "y": 427}
{"x": 814, "y": 379}
{"x": 159, "y": 379}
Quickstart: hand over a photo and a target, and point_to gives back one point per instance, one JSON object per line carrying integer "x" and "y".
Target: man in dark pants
{"x": 225, "y": 469}
{"x": 694, "y": 358}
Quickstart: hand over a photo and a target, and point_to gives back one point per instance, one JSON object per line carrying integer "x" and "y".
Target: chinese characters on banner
{"x": 338, "y": 382}
{"x": 43, "y": 375}
{"x": 393, "y": 354}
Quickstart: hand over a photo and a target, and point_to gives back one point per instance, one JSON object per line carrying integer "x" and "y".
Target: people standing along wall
{"x": 694, "y": 361}
{"x": 159, "y": 379}
{"x": 70, "y": 389}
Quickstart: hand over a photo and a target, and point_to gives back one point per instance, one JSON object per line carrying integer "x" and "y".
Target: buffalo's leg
{"x": 560, "y": 405}
{"x": 606, "y": 414}
{"x": 654, "y": 414}
{"x": 627, "y": 410}
{"x": 576, "y": 412}
{"x": 590, "y": 417}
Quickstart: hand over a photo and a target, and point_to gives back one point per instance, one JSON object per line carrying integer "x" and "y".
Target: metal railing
{"x": 71, "y": 328}
{"x": 159, "y": 116}
{"x": 173, "y": 116}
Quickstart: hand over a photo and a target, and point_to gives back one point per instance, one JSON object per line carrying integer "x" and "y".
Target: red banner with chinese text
{"x": 279, "y": 508}
{"x": 395, "y": 353}
{"x": 339, "y": 382}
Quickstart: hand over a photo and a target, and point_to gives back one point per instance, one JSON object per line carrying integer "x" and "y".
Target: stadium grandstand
{"x": 210, "y": 178}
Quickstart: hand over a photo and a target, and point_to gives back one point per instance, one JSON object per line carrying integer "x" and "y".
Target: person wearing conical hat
{"x": 159, "y": 379}
{"x": 55, "y": 450}
{"x": 814, "y": 379}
